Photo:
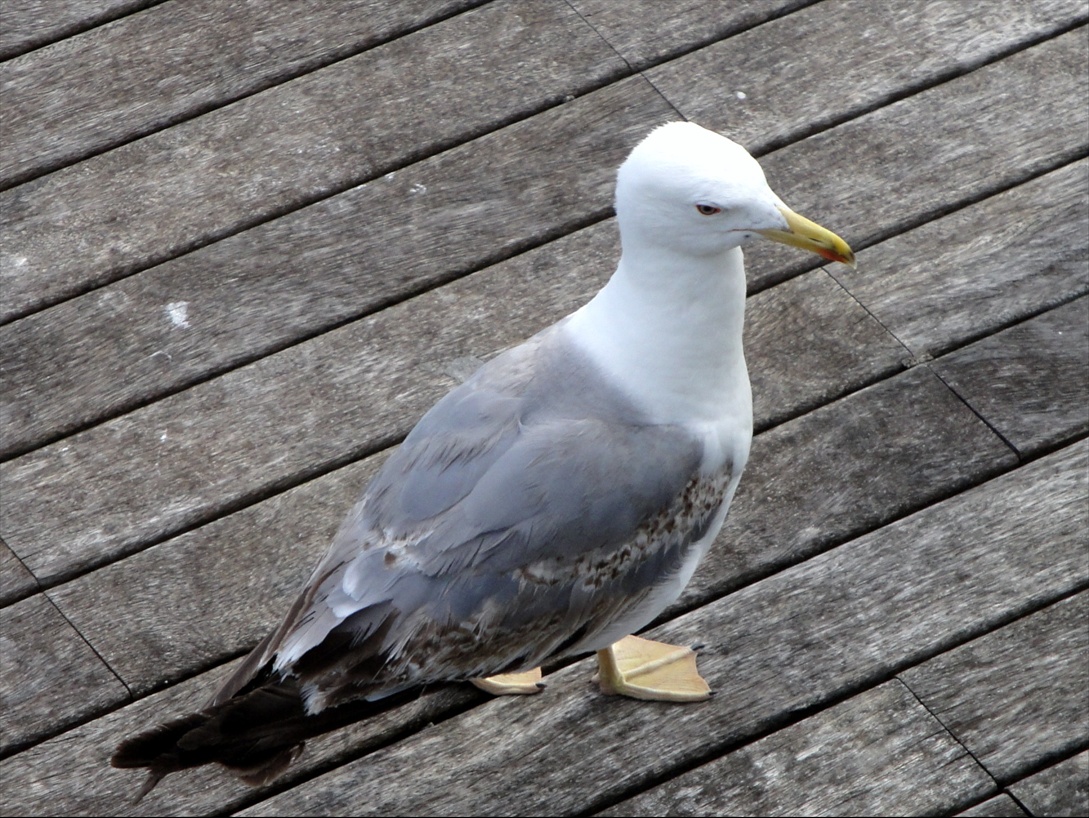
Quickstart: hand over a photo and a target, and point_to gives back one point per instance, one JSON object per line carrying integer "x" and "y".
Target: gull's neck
{"x": 667, "y": 329}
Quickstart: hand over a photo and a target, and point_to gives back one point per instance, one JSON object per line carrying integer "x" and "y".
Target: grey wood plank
{"x": 1015, "y": 696}
{"x": 834, "y": 624}
{"x": 268, "y": 153}
{"x": 171, "y": 588}
{"x": 1031, "y": 381}
{"x": 259, "y": 290}
{"x": 1000, "y": 806}
{"x": 878, "y": 753}
{"x": 843, "y": 469}
{"x": 30, "y": 23}
{"x": 1061, "y": 789}
{"x": 647, "y": 31}
{"x": 146, "y": 71}
{"x": 940, "y": 149}
{"x": 15, "y": 580}
{"x": 47, "y": 668}
{"x": 1029, "y": 244}
{"x": 776, "y": 647}
{"x": 116, "y": 348}
{"x": 882, "y": 51}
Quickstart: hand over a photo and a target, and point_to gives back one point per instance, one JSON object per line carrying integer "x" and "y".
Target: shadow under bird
{"x": 552, "y": 504}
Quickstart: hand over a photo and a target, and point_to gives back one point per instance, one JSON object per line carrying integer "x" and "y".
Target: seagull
{"x": 552, "y": 504}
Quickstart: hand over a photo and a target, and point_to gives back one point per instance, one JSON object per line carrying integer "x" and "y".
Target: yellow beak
{"x": 812, "y": 237}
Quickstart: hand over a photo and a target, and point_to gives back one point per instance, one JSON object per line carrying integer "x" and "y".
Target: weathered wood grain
{"x": 988, "y": 265}
{"x": 47, "y": 668}
{"x": 1000, "y": 806}
{"x": 146, "y": 71}
{"x": 774, "y": 648}
{"x": 838, "y": 622}
{"x": 906, "y": 163}
{"x": 647, "y": 31}
{"x": 1062, "y": 789}
{"x": 843, "y": 469}
{"x": 15, "y": 580}
{"x": 30, "y": 23}
{"x": 117, "y": 347}
{"x": 1031, "y": 381}
{"x": 1017, "y": 695}
{"x": 880, "y": 53}
{"x": 197, "y": 574}
{"x": 169, "y": 192}
{"x": 878, "y": 753}
{"x": 262, "y": 289}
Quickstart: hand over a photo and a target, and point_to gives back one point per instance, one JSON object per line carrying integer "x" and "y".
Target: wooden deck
{"x": 246, "y": 245}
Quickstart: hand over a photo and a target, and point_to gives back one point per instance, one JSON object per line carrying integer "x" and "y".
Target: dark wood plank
{"x": 31, "y": 23}
{"x": 195, "y": 572}
{"x": 1031, "y": 381}
{"x": 147, "y": 71}
{"x": 47, "y": 668}
{"x": 266, "y": 154}
{"x": 1000, "y": 806}
{"x": 1027, "y": 244}
{"x": 878, "y": 753}
{"x": 843, "y": 469}
{"x": 1062, "y": 789}
{"x": 941, "y": 149}
{"x": 259, "y": 290}
{"x": 318, "y": 268}
{"x": 1016, "y": 696}
{"x": 881, "y": 51}
{"x": 15, "y": 580}
{"x": 779, "y": 646}
{"x": 834, "y": 624}
{"x": 648, "y": 31}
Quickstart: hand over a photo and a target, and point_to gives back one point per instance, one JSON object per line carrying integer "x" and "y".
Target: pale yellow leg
{"x": 512, "y": 684}
{"x": 649, "y": 670}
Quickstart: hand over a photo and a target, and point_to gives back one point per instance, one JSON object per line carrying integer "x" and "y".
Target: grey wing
{"x": 507, "y": 526}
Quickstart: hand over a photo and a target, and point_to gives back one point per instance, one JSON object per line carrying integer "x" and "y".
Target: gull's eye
{"x": 708, "y": 210}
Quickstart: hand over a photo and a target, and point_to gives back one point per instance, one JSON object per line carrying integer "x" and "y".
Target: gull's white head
{"x": 693, "y": 191}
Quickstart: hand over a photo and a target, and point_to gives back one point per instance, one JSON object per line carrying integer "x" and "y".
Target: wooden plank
{"x": 317, "y": 268}
{"x": 835, "y": 624}
{"x": 1062, "y": 789}
{"x": 30, "y": 23}
{"x": 15, "y": 580}
{"x": 1016, "y": 696}
{"x": 1031, "y": 381}
{"x": 191, "y": 184}
{"x": 47, "y": 668}
{"x": 843, "y": 469}
{"x": 148, "y": 71}
{"x": 881, "y": 52}
{"x": 172, "y": 588}
{"x": 775, "y": 648}
{"x": 941, "y": 149}
{"x": 1001, "y": 260}
{"x": 878, "y": 753}
{"x": 645, "y": 32}
{"x": 1000, "y": 806}
{"x": 327, "y": 375}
